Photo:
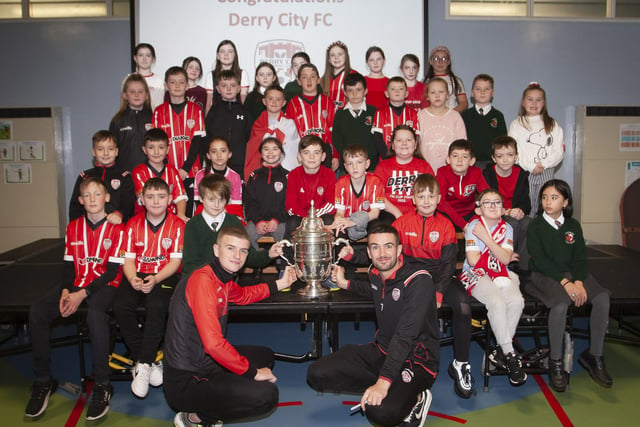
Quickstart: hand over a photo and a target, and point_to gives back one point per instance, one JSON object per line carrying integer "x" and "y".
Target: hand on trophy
{"x": 288, "y": 278}
{"x": 337, "y": 275}
{"x": 276, "y": 250}
{"x": 345, "y": 252}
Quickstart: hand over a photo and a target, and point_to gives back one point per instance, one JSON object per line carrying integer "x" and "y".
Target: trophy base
{"x": 313, "y": 290}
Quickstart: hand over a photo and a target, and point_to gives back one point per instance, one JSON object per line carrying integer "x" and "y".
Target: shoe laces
{"x": 513, "y": 362}
{"x": 39, "y": 390}
{"x": 100, "y": 394}
{"x": 466, "y": 377}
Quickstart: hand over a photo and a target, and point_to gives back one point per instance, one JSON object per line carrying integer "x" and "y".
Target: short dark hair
{"x": 503, "y": 142}
{"x": 155, "y": 183}
{"x": 485, "y": 77}
{"x": 273, "y": 87}
{"x": 354, "y": 150}
{"x": 101, "y": 135}
{"x": 309, "y": 140}
{"x": 461, "y": 144}
{"x": 227, "y": 75}
{"x": 172, "y": 71}
{"x": 155, "y": 134}
{"x": 397, "y": 79}
{"x": 382, "y": 228}
{"x": 233, "y": 231}
{"x": 214, "y": 183}
{"x": 301, "y": 54}
{"x": 426, "y": 181}
{"x": 308, "y": 65}
{"x": 353, "y": 79}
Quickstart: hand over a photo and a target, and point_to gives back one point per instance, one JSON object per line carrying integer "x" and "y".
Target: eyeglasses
{"x": 491, "y": 203}
{"x": 440, "y": 58}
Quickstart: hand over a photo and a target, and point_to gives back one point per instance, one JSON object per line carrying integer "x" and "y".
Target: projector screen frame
{"x": 134, "y": 37}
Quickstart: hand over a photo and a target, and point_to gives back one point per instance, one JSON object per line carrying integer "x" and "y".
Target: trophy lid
{"x": 311, "y": 225}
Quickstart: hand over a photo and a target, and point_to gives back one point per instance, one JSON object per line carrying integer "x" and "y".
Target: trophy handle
{"x": 340, "y": 240}
{"x": 285, "y": 242}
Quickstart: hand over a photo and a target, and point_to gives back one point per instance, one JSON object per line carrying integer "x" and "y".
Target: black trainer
{"x": 418, "y": 414}
{"x": 517, "y": 376}
{"x": 100, "y": 398}
{"x": 557, "y": 376}
{"x": 40, "y": 392}
{"x": 596, "y": 367}
{"x": 462, "y": 379}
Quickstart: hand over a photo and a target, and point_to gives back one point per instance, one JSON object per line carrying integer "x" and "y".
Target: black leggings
{"x": 144, "y": 343}
{"x": 220, "y": 394}
{"x": 354, "y": 368}
{"x": 46, "y": 310}
{"x": 457, "y": 298}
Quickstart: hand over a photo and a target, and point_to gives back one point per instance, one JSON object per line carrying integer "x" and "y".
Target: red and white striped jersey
{"x": 169, "y": 174}
{"x": 312, "y": 118}
{"x": 181, "y": 128}
{"x": 386, "y": 120}
{"x": 336, "y": 90}
{"x": 153, "y": 250}
{"x": 91, "y": 249}
{"x": 370, "y": 197}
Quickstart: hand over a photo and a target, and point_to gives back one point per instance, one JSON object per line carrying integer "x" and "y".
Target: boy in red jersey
{"x": 359, "y": 195}
{"x": 92, "y": 273}
{"x": 460, "y": 182}
{"x": 513, "y": 184}
{"x": 396, "y": 113}
{"x": 310, "y": 182}
{"x": 430, "y": 238}
{"x": 313, "y": 112}
{"x": 153, "y": 255}
{"x": 183, "y": 122}
{"x": 156, "y": 147}
{"x": 206, "y": 378}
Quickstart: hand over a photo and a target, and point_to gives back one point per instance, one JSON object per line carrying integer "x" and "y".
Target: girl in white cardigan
{"x": 540, "y": 140}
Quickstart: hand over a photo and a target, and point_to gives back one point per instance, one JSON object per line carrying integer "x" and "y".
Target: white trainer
{"x": 140, "y": 384}
{"x": 155, "y": 377}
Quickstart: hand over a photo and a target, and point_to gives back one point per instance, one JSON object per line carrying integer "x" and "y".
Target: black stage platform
{"x": 26, "y": 273}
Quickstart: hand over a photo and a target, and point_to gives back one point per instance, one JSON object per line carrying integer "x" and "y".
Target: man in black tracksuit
{"x": 402, "y": 363}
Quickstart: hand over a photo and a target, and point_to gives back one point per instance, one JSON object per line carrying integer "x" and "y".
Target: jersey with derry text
{"x": 169, "y": 174}
{"x": 90, "y": 249}
{"x": 398, "y": 180}
{"x": 386, "y": 121}
{"x": 370, "y": 197}
{"x": 151, "y": 250}
{"x": 181, "y": 128}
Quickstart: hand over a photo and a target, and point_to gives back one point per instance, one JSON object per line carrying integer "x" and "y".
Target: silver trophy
{"x": 313, "y": 254}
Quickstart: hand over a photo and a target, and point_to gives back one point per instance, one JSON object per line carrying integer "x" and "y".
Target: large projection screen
{"x": 272, "y": 30}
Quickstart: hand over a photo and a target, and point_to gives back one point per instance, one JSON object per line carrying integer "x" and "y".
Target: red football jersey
{"x": 371, "y": 196}
{"x": 398, "y": 180}
{"x": 90, "y": 250}
{"x": 386, "y": 120}
{"x": 152, "y": 251}
{"x": 169, "y": 174}
{"x": 416, "y": 98}
{"x": 181, "y": 128}
{"x": 302, "y": 188}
